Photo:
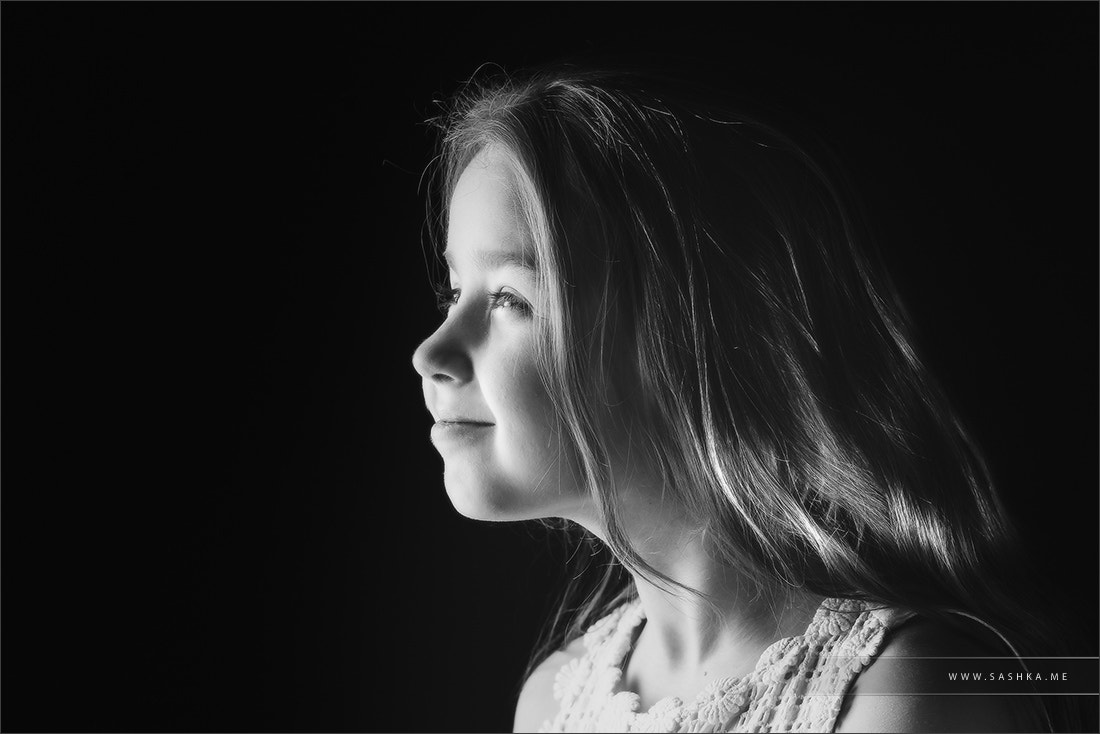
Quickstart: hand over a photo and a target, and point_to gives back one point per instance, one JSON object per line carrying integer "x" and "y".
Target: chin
{"x": 482, "y": 503}
{"x": 489, "y": 501}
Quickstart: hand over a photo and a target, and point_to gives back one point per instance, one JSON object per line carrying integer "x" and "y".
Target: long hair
{"x": 709, "y": 275}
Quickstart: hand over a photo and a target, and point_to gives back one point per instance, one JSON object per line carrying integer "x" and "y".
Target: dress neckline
{"x": 800, "y": 679}
{"x": 723, "y": 698}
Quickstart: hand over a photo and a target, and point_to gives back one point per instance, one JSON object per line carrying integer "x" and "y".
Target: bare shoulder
{"x": 900, "y": 692}
{"x": 536, "y": 703}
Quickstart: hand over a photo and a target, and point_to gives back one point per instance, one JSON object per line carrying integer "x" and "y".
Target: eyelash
{"x": 446, "y": 297}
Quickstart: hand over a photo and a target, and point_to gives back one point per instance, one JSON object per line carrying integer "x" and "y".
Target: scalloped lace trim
{"x": 798, "y": 683}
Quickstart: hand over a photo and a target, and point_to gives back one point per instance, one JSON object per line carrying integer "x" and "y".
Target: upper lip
{"x": 446, "y": 411}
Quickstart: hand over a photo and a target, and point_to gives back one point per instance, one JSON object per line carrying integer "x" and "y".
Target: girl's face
{"x": 496, "y": 428}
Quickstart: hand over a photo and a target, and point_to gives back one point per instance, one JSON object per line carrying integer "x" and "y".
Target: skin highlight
{"x": 479, "y": 365}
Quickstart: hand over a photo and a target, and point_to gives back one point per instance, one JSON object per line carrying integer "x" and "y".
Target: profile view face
{"x": 495, "y": 426}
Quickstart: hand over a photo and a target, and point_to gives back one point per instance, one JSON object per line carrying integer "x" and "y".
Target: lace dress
{"x": 798, "y": 683}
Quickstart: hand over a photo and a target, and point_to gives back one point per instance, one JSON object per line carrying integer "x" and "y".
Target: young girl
{"x": 662, "y": 328}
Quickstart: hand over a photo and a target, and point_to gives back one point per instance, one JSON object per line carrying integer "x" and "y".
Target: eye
{"x": 445, "y": 297}
{"x": 509, "y": 301}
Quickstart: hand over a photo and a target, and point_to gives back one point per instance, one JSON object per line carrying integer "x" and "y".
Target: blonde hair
{"x": 704, "y": 264}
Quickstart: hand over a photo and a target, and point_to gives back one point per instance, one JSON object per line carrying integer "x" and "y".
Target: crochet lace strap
{"x": 848, "y": 635}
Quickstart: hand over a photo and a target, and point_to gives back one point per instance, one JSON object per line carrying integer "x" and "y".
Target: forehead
{"x": 485, "y": 211}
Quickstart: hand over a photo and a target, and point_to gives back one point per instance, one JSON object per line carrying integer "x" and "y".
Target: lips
{"x": 447, "y": 416}
{"x": 454, "y": 427}
{"x": 452, "y": 434}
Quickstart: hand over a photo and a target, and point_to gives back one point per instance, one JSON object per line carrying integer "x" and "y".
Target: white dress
{"x": 798, "y": 684}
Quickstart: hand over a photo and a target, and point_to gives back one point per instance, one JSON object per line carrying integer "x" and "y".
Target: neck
{"x": 725, "y": 623}
{"x": 728, "y": 620}
{"x": 728, "y": 624}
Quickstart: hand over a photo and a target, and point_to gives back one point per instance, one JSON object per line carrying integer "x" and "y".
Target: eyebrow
{"x": 490, "y": 259}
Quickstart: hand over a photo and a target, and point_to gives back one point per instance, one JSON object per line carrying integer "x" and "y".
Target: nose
{"x": 442, "y": 357}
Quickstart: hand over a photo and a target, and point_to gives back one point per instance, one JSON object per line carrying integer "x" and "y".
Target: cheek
{"x": 531, "y": 438}
{"x": 534, "y": 463}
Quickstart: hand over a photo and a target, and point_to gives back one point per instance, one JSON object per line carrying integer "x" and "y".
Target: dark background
{"x": 220, "y": 507}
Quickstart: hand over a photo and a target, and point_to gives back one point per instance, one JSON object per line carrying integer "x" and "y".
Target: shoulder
{"x": 536, "y": 703}
{"x": 901, "y": 689}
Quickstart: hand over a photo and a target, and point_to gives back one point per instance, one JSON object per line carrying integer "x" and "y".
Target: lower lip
{"x": 448, "y": 431}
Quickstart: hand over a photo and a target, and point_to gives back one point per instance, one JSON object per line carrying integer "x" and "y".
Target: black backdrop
{"x": 220, "y": 507}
